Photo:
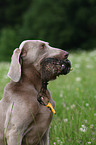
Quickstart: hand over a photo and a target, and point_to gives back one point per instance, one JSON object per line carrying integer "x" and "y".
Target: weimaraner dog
{"x": 23, "y": 120}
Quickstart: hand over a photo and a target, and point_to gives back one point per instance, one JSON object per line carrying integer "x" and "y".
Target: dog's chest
{"x": 38, "y": 127}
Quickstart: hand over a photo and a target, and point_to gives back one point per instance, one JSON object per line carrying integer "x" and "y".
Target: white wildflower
{"x": 89, "y": 142}
{"x": 83, "y": 129}
{"x": 72, "y": 106}
{"x": 87, "y": 104}
{"x": 94, "y": 114}
{"x": 61, "y": 94}
{"x": 65, "y": 120}
{"x": 83, "y": 126}
{"x": 78, "y": 79}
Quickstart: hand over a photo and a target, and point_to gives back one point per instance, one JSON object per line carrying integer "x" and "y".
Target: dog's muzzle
{"x": 52, "y": 67}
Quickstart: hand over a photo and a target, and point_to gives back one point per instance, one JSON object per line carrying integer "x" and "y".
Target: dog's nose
{"x": 64, "y": 54}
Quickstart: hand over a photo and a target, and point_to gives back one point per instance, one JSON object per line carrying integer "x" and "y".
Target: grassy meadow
{"x": 75, "y": 97}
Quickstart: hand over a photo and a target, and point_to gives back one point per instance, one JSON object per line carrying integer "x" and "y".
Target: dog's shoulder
{"x": 20, "y": 92}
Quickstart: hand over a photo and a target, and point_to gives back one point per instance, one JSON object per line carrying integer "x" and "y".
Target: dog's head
{"x": 34, "y": 52}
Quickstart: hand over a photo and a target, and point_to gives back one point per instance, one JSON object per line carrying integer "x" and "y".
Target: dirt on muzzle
{"x": 52, "y": 67}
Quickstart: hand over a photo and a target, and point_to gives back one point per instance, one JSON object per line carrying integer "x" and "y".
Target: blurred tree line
{"x": 67, "y": 24}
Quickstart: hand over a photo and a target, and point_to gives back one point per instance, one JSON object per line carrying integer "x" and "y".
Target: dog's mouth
{"x": 53, "y": 67}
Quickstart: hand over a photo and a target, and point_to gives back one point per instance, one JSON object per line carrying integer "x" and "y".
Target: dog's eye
{"x": 43, "y": 46}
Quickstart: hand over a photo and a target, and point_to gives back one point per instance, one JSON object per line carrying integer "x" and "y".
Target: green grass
{"x": 75, "y": 97}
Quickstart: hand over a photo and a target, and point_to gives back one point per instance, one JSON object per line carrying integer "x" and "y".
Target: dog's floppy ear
{"x": 15, "y": 67}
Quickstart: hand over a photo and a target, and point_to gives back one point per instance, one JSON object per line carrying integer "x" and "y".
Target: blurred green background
{"x": 67, "y": 24}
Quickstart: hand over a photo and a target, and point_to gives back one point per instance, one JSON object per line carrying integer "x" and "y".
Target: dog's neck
{"x": 31, "y": 76}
